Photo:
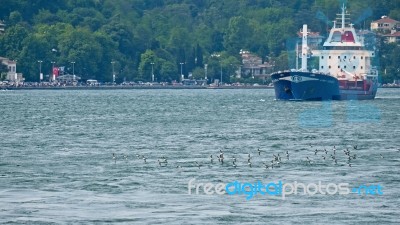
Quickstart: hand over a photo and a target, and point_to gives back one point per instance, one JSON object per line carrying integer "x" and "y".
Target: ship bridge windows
{"x": 336, "y": 36}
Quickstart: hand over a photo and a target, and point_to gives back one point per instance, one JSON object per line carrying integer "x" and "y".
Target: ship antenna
{"x": 343, "y": 13}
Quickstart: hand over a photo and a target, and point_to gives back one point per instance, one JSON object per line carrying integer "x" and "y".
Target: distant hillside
{"x": 136, "y": 33}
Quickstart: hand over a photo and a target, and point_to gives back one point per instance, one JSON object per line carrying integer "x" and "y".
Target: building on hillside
{"x": 12, "y": 74}
{"x": 253, "y": 66}
{"x": 393, "y": 37}
{"x": 385, "y": 25}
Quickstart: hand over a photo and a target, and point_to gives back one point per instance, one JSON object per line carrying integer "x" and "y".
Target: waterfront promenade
{"x": 120, "y": 86}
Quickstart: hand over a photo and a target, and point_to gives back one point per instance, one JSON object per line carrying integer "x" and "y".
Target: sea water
{"x": 57, "y": 165}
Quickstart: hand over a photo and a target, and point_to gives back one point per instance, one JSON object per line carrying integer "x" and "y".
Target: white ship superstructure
{"x": 345, "y": 69}
{"x": 343, "y": 55}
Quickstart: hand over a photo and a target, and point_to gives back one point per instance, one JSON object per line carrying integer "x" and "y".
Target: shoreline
{"x": 132, "y": 87}
{"x": 138, "y": 87}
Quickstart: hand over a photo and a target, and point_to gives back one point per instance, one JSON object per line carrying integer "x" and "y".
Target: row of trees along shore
{"x": 141, "y": 35}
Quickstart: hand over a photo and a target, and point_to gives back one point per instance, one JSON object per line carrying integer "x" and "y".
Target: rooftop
{"x": 386, "y": 19}
{"x": 6, "y": 60}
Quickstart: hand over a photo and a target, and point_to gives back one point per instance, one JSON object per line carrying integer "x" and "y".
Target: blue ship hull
{"x": 305, "y": 86}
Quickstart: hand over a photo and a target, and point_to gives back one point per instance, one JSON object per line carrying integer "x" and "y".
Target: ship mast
{"x": 304, "y": 49}
{"x": 343, "y": 18}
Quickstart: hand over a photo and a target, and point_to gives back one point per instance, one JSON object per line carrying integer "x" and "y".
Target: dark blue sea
{"x": 57, "y": 164}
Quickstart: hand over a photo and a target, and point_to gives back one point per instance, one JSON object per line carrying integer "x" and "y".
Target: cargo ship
{"x": 345, "y": 70}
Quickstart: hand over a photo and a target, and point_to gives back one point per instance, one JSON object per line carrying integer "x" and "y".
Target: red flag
{"x": 56, "y": 71}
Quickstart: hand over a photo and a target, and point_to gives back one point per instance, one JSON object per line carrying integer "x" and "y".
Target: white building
{"x": 12, "y": 74}
{"x": 385, "y": 25}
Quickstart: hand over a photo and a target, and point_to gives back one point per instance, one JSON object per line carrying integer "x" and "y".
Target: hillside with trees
{"x": 136, "y": 33}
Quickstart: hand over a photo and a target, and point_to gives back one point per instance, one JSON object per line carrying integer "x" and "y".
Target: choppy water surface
{"x": 56, "y": 162}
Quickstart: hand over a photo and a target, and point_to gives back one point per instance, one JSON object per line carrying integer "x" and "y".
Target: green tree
{"x": 3, "y": 71}
{"x": 146, "y": 60}
{"x": 390, "y": 69}
{"x": 191, "y": 61}
{"x": 109, "y": 54}
{"x": 238, "y": 35}
{"x": 198, "y": 73}
{"x": 199, "y": 56}
{"x": 35, "y": 48}
{"x": 15, "y": 18}
{"x": 11, "y": 43}
{"x": 169, "y": 72}
{"x": 80, "y": 46}
{"x": 230, "y": 65}
{"x": 46, "y": 17}
{"x": 281, "y": 62}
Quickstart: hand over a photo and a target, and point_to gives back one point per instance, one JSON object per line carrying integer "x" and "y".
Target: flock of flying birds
{"x": 276, "y": 161}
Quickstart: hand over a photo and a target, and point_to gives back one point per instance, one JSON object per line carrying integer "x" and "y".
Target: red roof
{"x": 386, "y": 20}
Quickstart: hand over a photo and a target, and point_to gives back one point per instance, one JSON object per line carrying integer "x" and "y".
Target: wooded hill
{"x": 136, "y": 33}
